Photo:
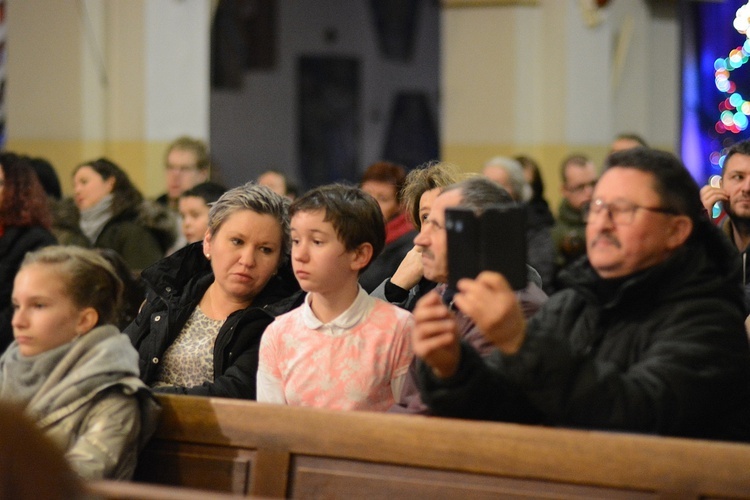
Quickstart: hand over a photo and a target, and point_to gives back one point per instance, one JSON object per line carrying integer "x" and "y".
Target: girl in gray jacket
{"x": 72, "y": 371}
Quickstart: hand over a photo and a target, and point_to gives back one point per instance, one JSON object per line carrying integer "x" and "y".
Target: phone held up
{"x": 493, "y": 241}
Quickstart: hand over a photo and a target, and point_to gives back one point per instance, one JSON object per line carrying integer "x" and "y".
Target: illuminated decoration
{"x": 742, "y": 19}
{"x": 709, "y": 106}
{"x": 734, "y": 110}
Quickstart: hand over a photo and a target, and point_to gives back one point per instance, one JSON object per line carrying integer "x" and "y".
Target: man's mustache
{"x": 609, "y": 237}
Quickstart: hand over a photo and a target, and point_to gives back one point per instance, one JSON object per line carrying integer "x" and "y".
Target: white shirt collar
{"x": 345, "y": 321}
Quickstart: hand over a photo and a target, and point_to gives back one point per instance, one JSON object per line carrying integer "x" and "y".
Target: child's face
{"x": 44, "y": 317}
{"x": 320, "y": 260}
{"x": 194, "y": 213}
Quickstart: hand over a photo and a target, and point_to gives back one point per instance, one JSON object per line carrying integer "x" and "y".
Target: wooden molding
{"x": 449, "y": 4}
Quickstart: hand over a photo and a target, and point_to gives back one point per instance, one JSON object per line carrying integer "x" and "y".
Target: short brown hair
{"x": 197, "y": 146}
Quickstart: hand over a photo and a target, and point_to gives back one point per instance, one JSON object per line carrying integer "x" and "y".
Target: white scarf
{"x": 95, "y": 218}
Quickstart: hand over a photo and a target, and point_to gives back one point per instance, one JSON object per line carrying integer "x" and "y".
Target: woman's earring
{"x": 208, "y": 256}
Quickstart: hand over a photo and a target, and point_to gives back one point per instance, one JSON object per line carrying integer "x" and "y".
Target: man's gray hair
{"x": 521, "y": 189}
{"x": 478, "y": 192}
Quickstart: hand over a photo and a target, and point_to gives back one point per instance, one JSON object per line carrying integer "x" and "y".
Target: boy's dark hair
{"x": 354, "y": 214}
{"x": 208, "y": 191}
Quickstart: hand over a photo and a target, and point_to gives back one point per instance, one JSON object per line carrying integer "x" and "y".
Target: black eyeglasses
{"x": 620, "y": 212}
{"x": 580, "y": 187}
{"x": 184, "y": 169}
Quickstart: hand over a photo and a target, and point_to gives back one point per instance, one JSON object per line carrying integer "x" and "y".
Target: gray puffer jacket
{"x": 92, "y": 404}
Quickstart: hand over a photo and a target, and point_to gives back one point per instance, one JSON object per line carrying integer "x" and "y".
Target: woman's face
{"x": 245, "y": 253}
{"x": 89, "y": 188}
{"x": 386, "y": 196}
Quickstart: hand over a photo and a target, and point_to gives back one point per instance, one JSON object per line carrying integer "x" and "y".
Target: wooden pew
{"x": 254, "y": 449}
{"x": 126, "y": 490}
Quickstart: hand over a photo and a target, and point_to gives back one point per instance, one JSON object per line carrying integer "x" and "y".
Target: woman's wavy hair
{"x": 24, "y": 202}
{"x": 422, "y": 179}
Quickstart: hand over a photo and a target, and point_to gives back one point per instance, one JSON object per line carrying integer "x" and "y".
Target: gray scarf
{"x": 21, "y": 376}
{"x": 66, "y": 374}
{"x": 94, "y": 219}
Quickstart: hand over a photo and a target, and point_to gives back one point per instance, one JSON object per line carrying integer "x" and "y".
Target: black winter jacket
{"x": 664, "y": 352}
{"x": 175, "y": 286}
{"x": 728, "y": 229}
{"x": 138, "y": 244}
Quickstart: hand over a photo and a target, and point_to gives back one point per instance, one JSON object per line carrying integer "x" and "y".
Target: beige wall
{"x": 536, "y": 79}
{"x": 75, "y": 82}
{"x": 88, "y": 79}
{"x": 122, "y": 78}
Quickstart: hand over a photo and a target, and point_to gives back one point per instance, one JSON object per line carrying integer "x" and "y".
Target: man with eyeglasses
{"x": 187, "y": 165}
{"x": 647, "y": 337}
{"x": 578, "y": 179}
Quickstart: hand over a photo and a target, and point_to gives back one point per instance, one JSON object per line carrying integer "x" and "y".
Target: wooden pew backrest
{"x": 250, "y": 448}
